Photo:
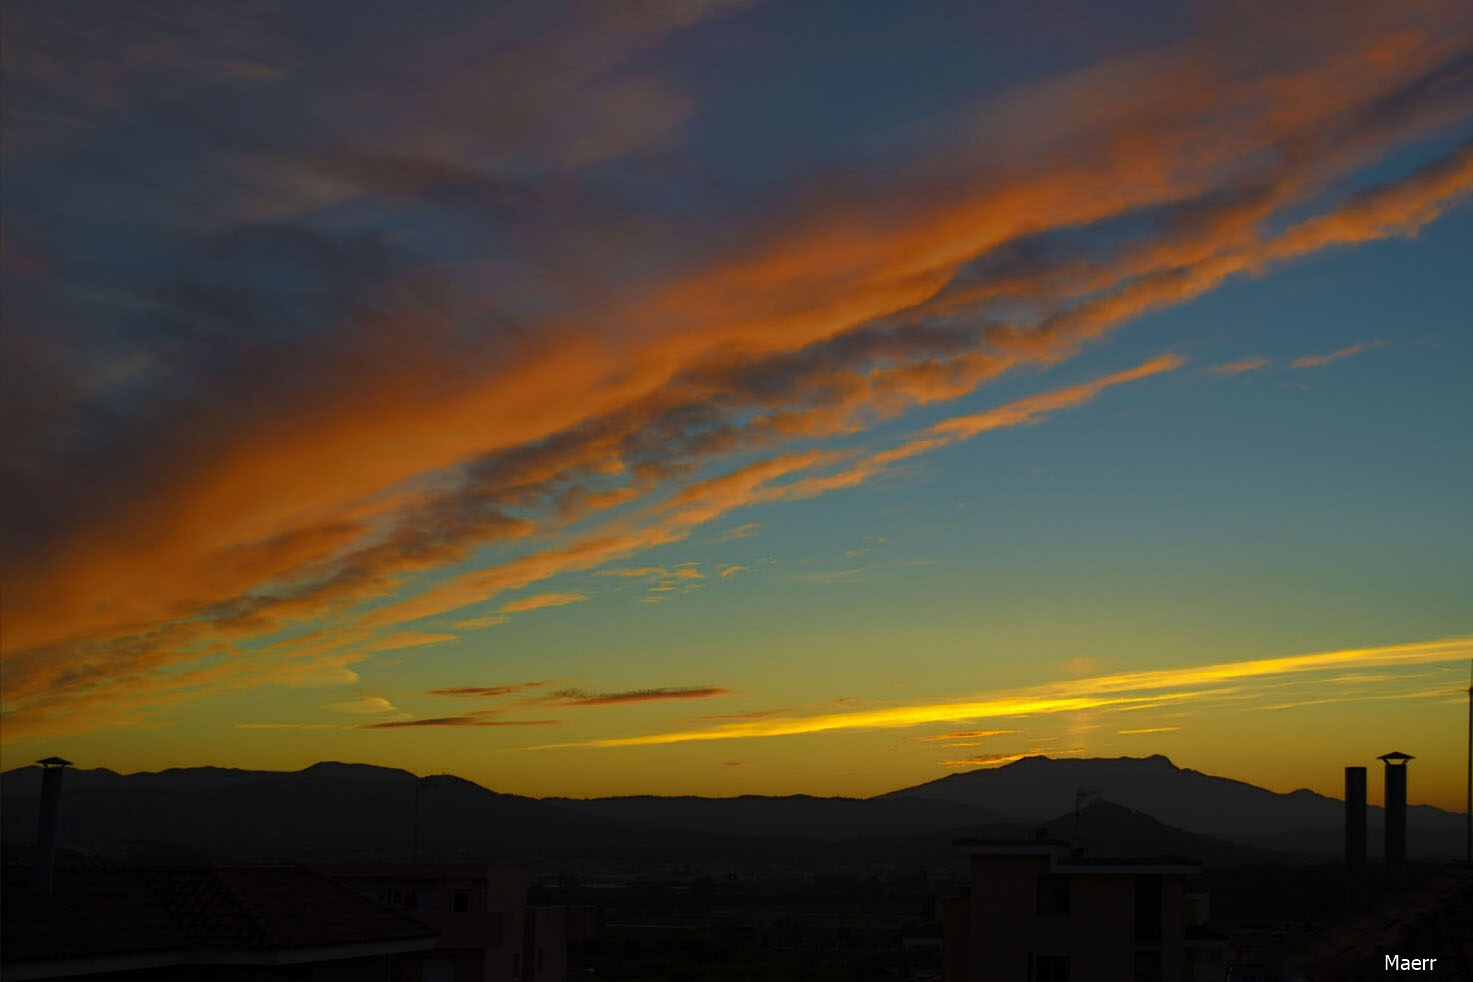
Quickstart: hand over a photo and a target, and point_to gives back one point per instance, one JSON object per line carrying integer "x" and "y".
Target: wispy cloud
{"x": 1132, "y": 690}
{"x": 1242, "y": 366}
{"x": 580, "y": 697}
{"x": 1148, "y": 729}
{"x": 410, "y": 639}
{"x": 287, "y": 726}
{"x": 745, "y": 531}
{"x": 1349, "y": 351}
{"x": 966, "y": 735}
{"x": 339, "y": 468}
{"x": 457, "y": 721}
{"x": 488, "y": 691}
{"x": 669, "y": 577}
{"x": 982, "y": 759}
{"x": 542, "y": 601}
{"x": 1380, "y": 696}
{"x": 1035, "y": 409}
{"x": 476, "y": 623}
{"x": 751, "y": 714}
{"x": 367, "y": 705}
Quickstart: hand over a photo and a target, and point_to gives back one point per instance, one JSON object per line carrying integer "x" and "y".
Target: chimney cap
{"x": 51, "y": 762}
{"x": 1396, "y": 757}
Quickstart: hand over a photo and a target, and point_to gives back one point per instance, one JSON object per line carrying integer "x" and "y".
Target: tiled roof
{"x": 103, "y": 910}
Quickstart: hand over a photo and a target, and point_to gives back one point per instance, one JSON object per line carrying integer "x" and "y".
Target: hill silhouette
{"x": 1107, "y": 829}
{"x": 337, "y": 811}
{"x": 1039, "y": 787}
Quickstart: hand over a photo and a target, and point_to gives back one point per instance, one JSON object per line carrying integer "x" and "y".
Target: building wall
{"x": 996, "y": 932}
{"x": 547, "y": 945}
{"x": 956, "y": 941}
{"x": 376, "y": 968}
{"x": 486, "y": 942}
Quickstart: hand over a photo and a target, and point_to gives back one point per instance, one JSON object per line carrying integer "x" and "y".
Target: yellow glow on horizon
{"x": 1131, "y": 689}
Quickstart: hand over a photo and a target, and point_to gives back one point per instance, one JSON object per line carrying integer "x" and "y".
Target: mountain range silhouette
{"x": 338, "y": 811}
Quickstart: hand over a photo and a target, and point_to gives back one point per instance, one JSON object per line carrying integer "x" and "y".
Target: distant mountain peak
{"x": 337, "y": 768}
{"x": 1041, "y": 760}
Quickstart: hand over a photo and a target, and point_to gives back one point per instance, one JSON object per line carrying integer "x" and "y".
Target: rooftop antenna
{"x": 1468, "y": 846}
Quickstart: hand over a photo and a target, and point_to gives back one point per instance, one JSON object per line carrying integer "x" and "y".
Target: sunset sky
{"x": 687, "y": 396}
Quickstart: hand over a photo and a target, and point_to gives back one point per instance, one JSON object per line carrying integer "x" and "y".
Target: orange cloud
{"x": 578, "y": 697}
{"x": 1350, "y": 351}
{"x": 481, "y": 691}
{"x": 249, "y": 510}
{"x": 745, "y": 531}
{"x": 542, "y": 601}
{"x": 366, "y": 705}
{"x": 457, "y": 721}
{"x": 1033, "y": 409}
{"x": 1240, "y": 367}
{"x": 410, "y": 639}
{"x": 967, "y": 735}
{"x": 476, "y": 623}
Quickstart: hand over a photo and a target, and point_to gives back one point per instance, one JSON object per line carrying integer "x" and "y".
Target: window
{"x": 1051, "y": 968}
{"x": 396, "y": 897}
{"x": 460, "y": 901}
{"x": 1053, "y": 894}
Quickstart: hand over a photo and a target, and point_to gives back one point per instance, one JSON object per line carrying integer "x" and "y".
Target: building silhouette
{"x": 1037, "y": 911}
{"x": 186, "y": 923}
{"x": 486, "y": 931}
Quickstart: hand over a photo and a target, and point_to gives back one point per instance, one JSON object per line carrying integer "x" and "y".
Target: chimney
{"x": 47, "y": 821}
{"x": 1396, "y": 818}
{"x": 1355, "y": 838}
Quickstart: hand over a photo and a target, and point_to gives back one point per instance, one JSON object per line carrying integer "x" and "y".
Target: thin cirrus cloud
{"x": 1148, "y": 729}
{"x": 365, "y": 706}
{"x": 1349, "y": 351}
{"x": 336, "y": 461}
{"x": 488, "y": 691}
{"x": 542, "y": 601}
{"x": 753, "y": 714}
{"x": 1124, "y": 691}
{"x": 966, "y": 735}
{"x": 737, "y": 533}
{"x": 445, "y": 721}
{"x": 287, "y": 726}
{"x": 789, "y": 477}
{"x": 476, "y": 623}
{"x": 411, "y": 639}
{"x": 1241, "y": 366}
{"x": 580, "y": 697}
